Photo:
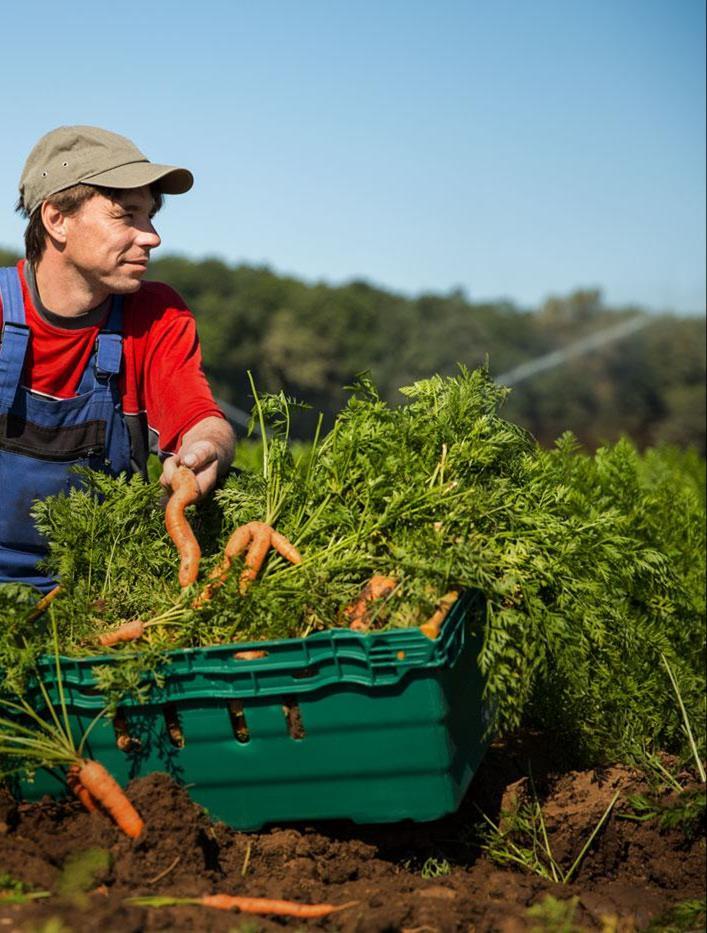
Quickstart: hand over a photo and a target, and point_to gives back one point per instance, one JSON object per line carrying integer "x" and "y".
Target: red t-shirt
{"x": 161, "y": 376}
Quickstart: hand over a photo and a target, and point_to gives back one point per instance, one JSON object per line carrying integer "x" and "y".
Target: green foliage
{"x": 521, "y": 839}
{"x": 13, "y": 891}
{"x": 309, "y": 340}
{"x": 435, "y": 868}
{"x": 685, "y": 917}
{"x": 685, "y": 811}
{"x": 592, "y": 566}
{"x": 81, "y": 872}
{"x": 552, "y": 915}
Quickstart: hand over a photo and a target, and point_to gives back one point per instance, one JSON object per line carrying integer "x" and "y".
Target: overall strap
{"x": 104, "y": 362}
{"x": 15, "y": 337}
{"x": 109, "y": 345}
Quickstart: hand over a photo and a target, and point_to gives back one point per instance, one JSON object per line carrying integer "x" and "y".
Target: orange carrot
{"x": 256, "y": 554}
{"x": 252, "y": 655}
{"x": 285, "y": 547}
{"x": 258, "y": 538}
{"x": 128, "y": 631}
{"x": 74, "y": 784}
{"x": 432, "y": 626}
{"x": 236, "y": 544}
{"x": 266, "y": 905}
{"x": 185, "y": 492}
{"x": 43, "y": 603}
{"x": 107, "y": 792}
{"x": 357, "y": 613}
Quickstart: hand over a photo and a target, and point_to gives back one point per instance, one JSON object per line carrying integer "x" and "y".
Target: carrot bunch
{"x": 256, "y": 538}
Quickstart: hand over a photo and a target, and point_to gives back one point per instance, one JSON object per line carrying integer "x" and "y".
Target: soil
{"x": 416, "y": 878}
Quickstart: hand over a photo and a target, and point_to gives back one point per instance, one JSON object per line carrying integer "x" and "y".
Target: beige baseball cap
{"x": 70, "y": 155}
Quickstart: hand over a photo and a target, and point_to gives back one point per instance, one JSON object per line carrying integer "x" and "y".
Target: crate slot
{"x": 173, "y": 725}
{"x": 123, "y": 740}
{"x": 305, "y": 673}
{"x": 293, "y": 718}
{"x": 241, "y": 732}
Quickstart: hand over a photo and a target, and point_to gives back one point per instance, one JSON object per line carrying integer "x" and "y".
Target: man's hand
{"x": 207, "y": 449}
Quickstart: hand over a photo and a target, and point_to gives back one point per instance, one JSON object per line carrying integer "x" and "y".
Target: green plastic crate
{"x": 372, "y": 727}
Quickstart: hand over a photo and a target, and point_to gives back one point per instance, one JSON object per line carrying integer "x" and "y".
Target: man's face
{"x": 109, "y": 242}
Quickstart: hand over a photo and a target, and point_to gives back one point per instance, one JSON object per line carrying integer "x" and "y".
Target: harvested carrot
{"x": 254, "y": 654}
{"x": 43, "y": 603}
{"x": 256, "y": 554}
{"x": 106, "y": 791}
{"x": 185, "y": 492}
{"x": 236, "y": 544}
{"x": 76, "y": 787}
{"x": 285, "y": 547}
{"x": 128, "y": 631}
{"x": 358, "y": 613}
{"x": 258, "y": 538}
{"x": 266, "y": 905}
{"x": 432, "y": 626}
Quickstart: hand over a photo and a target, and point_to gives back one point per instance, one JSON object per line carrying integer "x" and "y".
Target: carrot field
{"x": 577, "y": 579}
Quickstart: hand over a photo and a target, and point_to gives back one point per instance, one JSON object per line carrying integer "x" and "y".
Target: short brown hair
{"x": 68, "y": 201}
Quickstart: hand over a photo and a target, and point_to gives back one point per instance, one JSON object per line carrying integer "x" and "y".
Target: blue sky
{"x": 514, "y": 148}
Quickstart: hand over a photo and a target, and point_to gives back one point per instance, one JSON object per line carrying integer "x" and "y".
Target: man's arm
{"x": 207, "y": 449}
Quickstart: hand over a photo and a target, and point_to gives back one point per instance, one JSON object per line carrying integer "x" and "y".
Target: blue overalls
{"x": 41, "y": 438}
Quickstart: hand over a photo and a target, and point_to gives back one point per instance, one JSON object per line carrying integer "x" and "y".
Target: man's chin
{"x": 127, "y": 284}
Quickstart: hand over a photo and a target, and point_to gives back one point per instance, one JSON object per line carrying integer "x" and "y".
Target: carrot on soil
{"x": 106, "y": 791}
{"x": 185, "y": 492}
{"x": 266, "y": 905}
{"x": 74, "y": 784}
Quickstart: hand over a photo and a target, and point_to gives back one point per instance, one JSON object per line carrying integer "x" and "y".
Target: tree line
{"x": 310, "y": 340}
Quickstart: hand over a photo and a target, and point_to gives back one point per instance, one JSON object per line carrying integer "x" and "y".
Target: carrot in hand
{"x": 185, "y": 492}
{"x": 106, "y": 791}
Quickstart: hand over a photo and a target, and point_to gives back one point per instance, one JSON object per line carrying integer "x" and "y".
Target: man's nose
{"x": 149, "y": 238}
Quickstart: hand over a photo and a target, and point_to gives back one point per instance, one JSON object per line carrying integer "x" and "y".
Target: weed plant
{"x": 592, "y": 566}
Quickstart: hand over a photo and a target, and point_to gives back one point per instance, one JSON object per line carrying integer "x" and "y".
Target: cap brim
{"x": 172, "y": 180}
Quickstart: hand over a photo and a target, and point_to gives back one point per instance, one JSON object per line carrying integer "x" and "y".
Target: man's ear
{"x": 54, "y": 222}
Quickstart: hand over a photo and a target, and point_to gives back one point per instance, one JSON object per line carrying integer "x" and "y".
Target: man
{"x": 97, "y": 367}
